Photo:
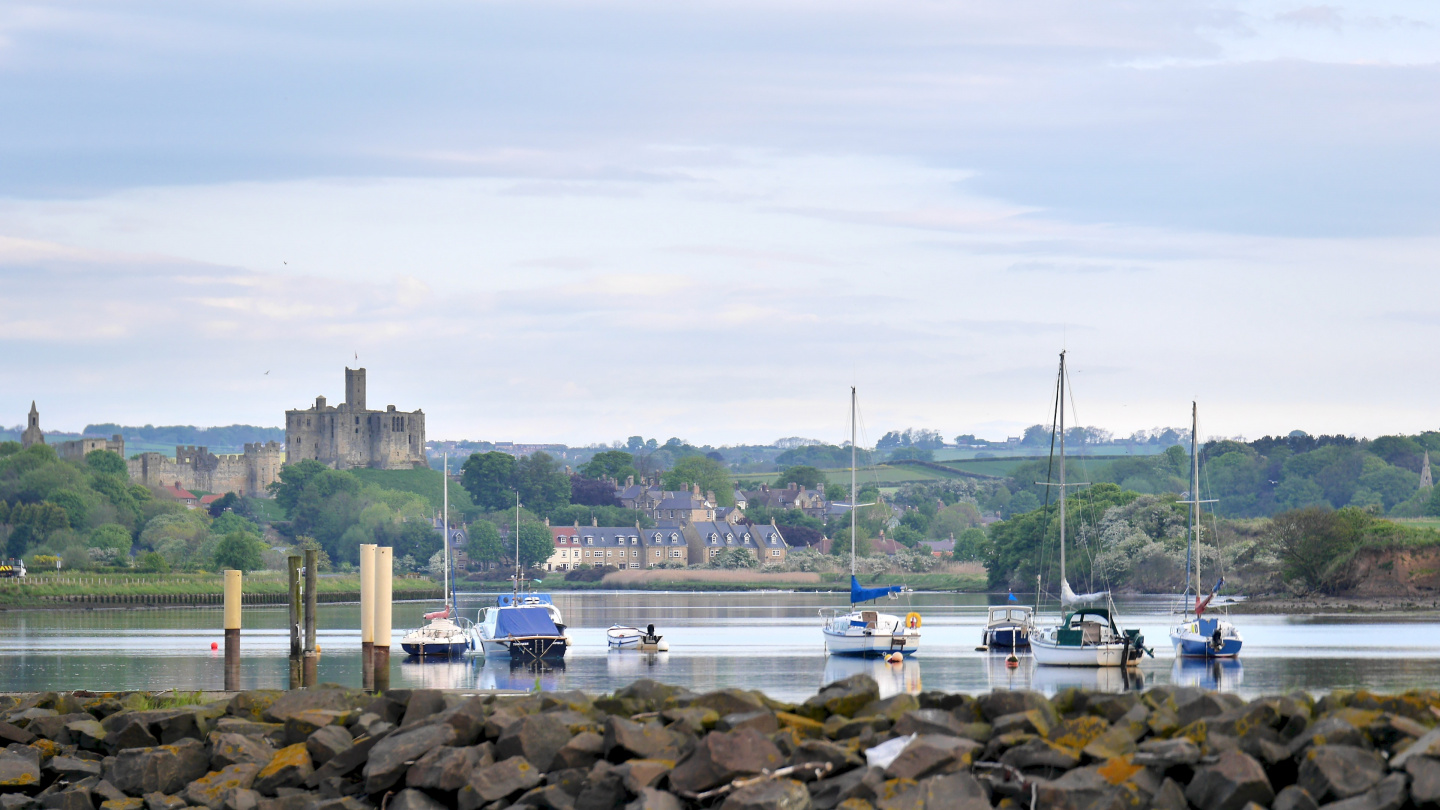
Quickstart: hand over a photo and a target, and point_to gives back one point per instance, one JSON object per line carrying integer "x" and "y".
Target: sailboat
{"x": 1201, "y": 637}
{"x": 443, "y": 635}
{"x": 867, "y": 633}
{"x": 1086, "y": 636}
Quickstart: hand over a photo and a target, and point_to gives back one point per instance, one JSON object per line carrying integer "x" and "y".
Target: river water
{"x": 766, "y": 641}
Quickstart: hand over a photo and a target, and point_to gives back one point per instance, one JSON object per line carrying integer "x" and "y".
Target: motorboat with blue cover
{"x": 522, "y": 626}
{"x": 870, "y": 633}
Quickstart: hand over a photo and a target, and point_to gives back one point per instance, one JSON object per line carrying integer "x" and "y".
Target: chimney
{"x": 695, "y": 490}
{"x": 792, "y": 486}
{"x": 594, "y": 521}
{"x": 547, "y": 522}
{"x": 709, "y": 496}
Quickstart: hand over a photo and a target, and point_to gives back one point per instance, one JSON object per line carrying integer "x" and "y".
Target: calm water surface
{"x": 767, "y": 641}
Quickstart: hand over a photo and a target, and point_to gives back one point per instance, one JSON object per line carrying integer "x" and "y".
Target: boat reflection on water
{"x": 1220, "y": 674}
{"x": 1050, "y": 680}
{"x": 893, "y": 679}
{"x": 1001, "y": 676}
{"x": 631, "y": 663}
{"x": 518, "y": 675}
{"x": 432, "y": 672}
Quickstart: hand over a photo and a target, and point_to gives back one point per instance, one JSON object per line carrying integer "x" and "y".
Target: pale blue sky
{"x": 575, "y": 221}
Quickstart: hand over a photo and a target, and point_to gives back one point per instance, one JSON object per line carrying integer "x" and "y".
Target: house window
{"x": 675, "y": 552}
{"x": 657, "y": 552}
{"x": 774, "y": 552}
{"x": 634, "y": 552}
{"x": 634, "y": 565}
{"x": 589, "y": 541}
{"x": 714, "y": 552}
{"x": 608, "y": 552}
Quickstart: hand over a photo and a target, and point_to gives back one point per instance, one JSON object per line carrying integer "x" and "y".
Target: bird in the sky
{"x": 267, "y": 371}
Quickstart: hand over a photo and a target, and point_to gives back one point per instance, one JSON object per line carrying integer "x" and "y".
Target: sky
{"x": 574, "y": 222}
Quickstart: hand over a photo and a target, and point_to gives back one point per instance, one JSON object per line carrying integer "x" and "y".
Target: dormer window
{"x": 589, "y": 541}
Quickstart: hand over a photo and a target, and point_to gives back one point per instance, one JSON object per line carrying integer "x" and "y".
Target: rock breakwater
{"x": 652, "y": 746}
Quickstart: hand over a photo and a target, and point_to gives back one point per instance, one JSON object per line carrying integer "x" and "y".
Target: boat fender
{"x": 912, "y": 621}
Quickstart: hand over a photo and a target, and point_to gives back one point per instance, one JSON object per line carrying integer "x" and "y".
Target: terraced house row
{"x": 671, "y": 544}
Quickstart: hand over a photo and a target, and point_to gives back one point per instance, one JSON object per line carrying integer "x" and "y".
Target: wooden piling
{"x": 384, "y": 573}
{"x": 232, "y": 630}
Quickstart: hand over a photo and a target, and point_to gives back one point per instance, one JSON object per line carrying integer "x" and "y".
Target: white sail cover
{"x": 1069, "y": 597}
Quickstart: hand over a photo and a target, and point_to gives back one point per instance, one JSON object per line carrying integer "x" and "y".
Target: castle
{"x": 197, "y": 468}
{"x": 349, "y": 435}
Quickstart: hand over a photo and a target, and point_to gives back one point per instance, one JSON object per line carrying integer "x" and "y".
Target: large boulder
{"x": 930, "y": 754}
{"x": 213, "y": 789}
{"x": 290, "y": 704}
{"x": 844, "y": 697}
{"x": 496, "y": 782}
{"x": 446, "y": 768}
{"x": 19, "y": 772}
{"x": 1235, "y": 780}
{"x": 233, "y": 749}
{"x": 721, "y": 756}
{"x": 163, "y": 768}
{"x": 537, "y": 738}
{"x": 392, "y": 756}
{"x": 1424, "y": 782}
{"x": 289, "y": 768}
{"x": 625, "y": 739}
{"x": 327, "y": 742}
{"x": 1333, "y": 772}
{"x": 955, "y": 791}
{"x": 771, "y": 794}
{"x": 1002, "y": 702}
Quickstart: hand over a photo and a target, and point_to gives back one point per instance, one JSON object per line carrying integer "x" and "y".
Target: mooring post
{"x": 312, "y": 598}
{"x": 367, "y": 616}
{"x": 384, "y": 571}
{"x": 232, "y": 631}
{"x": 293, "y": 584}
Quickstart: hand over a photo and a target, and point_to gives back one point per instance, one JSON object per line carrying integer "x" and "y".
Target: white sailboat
{"x": 1201, "y": 637}
{"x": 444, "y": 634}
{"x": 522, "y": 626}
{"x": 867, "y": 633}
{"x": 1086, "y": 636}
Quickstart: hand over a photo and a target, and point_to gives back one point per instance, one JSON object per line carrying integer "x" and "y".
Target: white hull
{"x": 874, "y": 645}
{"x": 1088, "y": 655}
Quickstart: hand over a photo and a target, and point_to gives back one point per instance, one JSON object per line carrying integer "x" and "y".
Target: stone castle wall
{"x": 195, "y": 468}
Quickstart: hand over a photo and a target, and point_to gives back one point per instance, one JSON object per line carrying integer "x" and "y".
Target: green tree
{"x": 837, "y": 492}
{"x": 110, "y": 535}
{"x": 971, "y": 545}
{"x": 536, "y": 544}
{"x": 484, "y": 545}
{"x": 322, "y": 558}
{"x": 239, "y": 551}
{"x": 293, "y": 480}
{"x": 734, "y": 558}
{"x": 153, "y": 563}
{"x": 1310, "y": 541}
{"x": 711, "y": 475}
{"x": 490, "y": 480}
{"x": 543, "y": 485}
{"x": 106, "y": 462}
{"x": 803, "y": 476}
{"x": 616, "y": 464}
{"x": 231, "y": 522}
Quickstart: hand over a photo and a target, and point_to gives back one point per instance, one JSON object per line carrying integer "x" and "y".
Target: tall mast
{"x": 1195, "y": 491}
{"x": 853, "y": 502}
{"x": 445, "y": 523}
{"x": 1062, "y": 472}
{"x": 517, "y": 542}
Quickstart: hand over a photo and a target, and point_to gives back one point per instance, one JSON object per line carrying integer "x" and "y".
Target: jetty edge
{"x": 652, "y": 746}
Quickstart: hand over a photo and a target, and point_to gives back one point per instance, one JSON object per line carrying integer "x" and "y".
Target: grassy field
{"x": 884, "y": 475}
{"x": 36, "y": 589}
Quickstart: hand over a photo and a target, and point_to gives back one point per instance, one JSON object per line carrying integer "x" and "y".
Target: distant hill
{"x": 226, "y": 439}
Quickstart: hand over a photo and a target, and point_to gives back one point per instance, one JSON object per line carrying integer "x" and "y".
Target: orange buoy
{"x": 1011, "y": 661}
{"x": 895, "y": 658}
{"x": 214, "y": 646}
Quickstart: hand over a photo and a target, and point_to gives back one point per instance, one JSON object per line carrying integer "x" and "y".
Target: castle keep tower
{"x": 32, "y": 434}
{"x": 349, "y": 435}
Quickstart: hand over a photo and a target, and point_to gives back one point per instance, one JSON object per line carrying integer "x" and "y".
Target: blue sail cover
{"x": 859, "y": 594}
{"x": 525, "y": 621}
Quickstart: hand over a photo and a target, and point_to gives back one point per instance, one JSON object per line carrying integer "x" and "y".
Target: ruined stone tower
{"x": 1426, "y": 481}
{"x": 350, "y": 435}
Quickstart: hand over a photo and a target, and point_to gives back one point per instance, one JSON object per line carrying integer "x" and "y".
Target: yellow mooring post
{"x": 293, "y": 585}
{"x": 232, "y": 631}
{"x": 367, "y": 616}
{"x": 384, "y": 573}
{"x": 312, "y": 599}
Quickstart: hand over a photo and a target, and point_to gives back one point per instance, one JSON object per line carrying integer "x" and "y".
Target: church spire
{"x": 32, "y": 434}
{"x": 1426, "y": 481}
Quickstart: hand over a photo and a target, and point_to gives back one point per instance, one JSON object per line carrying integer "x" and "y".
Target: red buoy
{"x": 214, "y": 645}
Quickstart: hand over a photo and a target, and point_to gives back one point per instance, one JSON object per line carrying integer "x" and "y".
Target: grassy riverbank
{"x": 57, "y": 590}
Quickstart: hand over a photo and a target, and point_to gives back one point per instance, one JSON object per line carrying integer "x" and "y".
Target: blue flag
{"x": 1012, "y": 597}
